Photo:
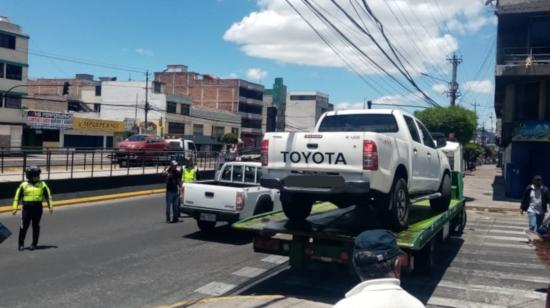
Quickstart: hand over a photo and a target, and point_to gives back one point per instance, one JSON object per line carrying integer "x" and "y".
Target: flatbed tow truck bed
{"x": 328, "y": 233}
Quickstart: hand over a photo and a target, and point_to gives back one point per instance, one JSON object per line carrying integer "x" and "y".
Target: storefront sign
{"x": 49, "y": 120}
{"x": 532, "y": 131}
{"x": 83, "y": 124}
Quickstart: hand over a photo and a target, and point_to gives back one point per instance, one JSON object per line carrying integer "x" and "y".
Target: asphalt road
{"x": 121, "y": 254}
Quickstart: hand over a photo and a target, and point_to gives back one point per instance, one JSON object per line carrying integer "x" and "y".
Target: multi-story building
{"x": 522, "y": 92}
{"x": 304, "y": 108}
{"x": 14, "y": 45}
{"x": 232, "y": 95}
{"x": 273, "y": 115}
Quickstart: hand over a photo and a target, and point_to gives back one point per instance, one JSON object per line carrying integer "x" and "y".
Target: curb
{"x": 8, "y": 208}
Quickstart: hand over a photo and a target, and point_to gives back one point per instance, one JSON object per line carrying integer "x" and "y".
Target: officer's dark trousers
{"x": 31, "y": 215}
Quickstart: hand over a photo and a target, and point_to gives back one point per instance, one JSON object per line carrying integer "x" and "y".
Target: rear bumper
{"x": 317, "y": 184}
{"x": 195, "y": 212}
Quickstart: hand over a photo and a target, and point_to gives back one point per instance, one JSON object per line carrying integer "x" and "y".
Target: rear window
{"x": 376, "y": 123}
{"x": 137, "y": 138}
{"x": 174, "y": 145}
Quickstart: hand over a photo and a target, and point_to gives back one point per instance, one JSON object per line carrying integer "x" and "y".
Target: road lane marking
{"x": 480, "y": 227}
{"x": 215, "y": 288}
{"x": 249, "y": 272}
{"x": 500, "y": 275}
{"x": 275, "y": 259}
{"x": 209, "y": 300}
{"x": 482, "y": 237}
{"x": 458, "y": 303}
{"x": 521, "y": 265}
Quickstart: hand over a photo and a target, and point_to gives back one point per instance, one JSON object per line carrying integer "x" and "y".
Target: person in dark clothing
{"x": 32, "y": 192}
{"x": 173, "y": 185}
{"x": 535, "y": 202}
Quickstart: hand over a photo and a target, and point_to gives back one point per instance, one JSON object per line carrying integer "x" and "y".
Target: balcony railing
{"x": 526, "y": 55}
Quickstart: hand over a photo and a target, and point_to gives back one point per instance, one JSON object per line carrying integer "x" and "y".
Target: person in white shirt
{"x": 376, "y": 261}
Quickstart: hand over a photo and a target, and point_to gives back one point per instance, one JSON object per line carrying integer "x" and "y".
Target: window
{"x": 157, "y": 87}
{"x": 412, "y": 129}
{"x": 171, "y": 107}
{"x": 1, "y": 70}
{"x": 250, "y": 108}
{"x": 377, "y": 123}
{"x": 226, "y": 174}
{"x": 176, "y": 128}
{"x": 235, "y": 130}
{"x": 97, "y": 107}
{"x": 13, "y": 102}
{"x": 252, "y": 94}
{"x": 137, "y": 138}
{"x": 303, "y": 97}
{"x": 218, "y": 131}
{"x": 198, "y": 130}
{"x": 14, "y": 72}
{"x": 98, "y": 90}
{"x": 249, "y": 123}
{"x": 237, "y": 173}
{"x": 540, "y": 36}
{"x": 426, "y": 137}
{"x": 184, "y": 109}
{"x": 249, "y": 174}
{"x": 7, "y": 41}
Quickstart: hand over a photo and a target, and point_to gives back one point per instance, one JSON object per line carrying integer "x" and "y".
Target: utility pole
{"x": 491, "y": 117}
{"x": 146, "y": 127}
{"x": 453, "y": 85}
{"x": 483, "y": 133}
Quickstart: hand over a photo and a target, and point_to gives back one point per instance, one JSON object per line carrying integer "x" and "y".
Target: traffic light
{"x": 66, "y": 87}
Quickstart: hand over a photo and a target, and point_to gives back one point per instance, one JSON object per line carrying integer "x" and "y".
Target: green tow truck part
{"x": 328, "y": 234}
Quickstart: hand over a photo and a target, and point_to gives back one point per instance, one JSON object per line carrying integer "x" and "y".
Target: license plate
{"x": 207, "y": 217}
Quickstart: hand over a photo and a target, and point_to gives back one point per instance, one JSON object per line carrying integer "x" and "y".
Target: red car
{"x": 142, "y": 148}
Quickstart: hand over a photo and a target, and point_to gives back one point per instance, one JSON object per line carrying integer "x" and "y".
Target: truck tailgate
{"x": 325, "y": 152}
{"x": 210, "y": 197}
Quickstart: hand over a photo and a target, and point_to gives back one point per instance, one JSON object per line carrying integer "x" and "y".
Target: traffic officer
{"x": 32, "y": 192}
{"x": 189, "y": 172}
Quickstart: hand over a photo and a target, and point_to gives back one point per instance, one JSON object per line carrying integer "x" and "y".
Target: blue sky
{"x": 251, "y": 39}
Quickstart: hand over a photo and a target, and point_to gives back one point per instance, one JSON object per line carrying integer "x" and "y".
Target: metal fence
{"x": 520, "y": 54}
{"x": 62, "y": 163}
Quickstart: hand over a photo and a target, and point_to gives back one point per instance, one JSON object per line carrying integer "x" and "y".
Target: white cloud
{"x": 440, "y": 88}
{"x": 388, "y": 101}
{"x": 479, "y": 86}
{"x": 256, "y": 74}
{"x": 144, "y": 52}
{"x": 276, "y": 32}
{"x": 233, "y": 76}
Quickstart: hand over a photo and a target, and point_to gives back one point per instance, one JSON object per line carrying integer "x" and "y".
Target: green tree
{"x": 453, "y": 119}
{"x": 230, "y": 138}
{"x": 472, "y": 151}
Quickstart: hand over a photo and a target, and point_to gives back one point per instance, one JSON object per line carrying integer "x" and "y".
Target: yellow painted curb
{"x": 223, "y": 299}
{"x": 8, "y": 208}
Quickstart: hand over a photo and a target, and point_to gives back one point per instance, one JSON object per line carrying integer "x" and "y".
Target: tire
{"x": 295, "y": 207}
{"x": 397, "y": 215}
{"x": 441, "y": 204}
{"x": 459, "y": 224}
{"x": 206, "y": 226}
{"x": 264, "y": 205}
{"x": 424, "y": 259}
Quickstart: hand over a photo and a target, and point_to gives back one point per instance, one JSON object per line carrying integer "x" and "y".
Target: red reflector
{"x": 266, "y": 244}
{"x": 344, "y": 257}
{"x": 309, "y": 252}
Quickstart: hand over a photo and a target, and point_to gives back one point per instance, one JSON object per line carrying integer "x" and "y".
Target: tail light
{"x": 264, "y": 152}
{"x": 239, "y": 201}
{"x": 370, "y": 155}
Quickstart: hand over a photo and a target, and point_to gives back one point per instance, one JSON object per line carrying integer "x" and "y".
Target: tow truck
{"x": 329, "y": 232}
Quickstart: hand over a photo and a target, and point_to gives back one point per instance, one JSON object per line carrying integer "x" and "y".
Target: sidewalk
{"x": 484, "y": 190}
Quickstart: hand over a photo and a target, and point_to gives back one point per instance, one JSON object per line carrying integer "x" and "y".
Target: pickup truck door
{"x": 433, "y": 167}
{"x": 417, "y": 181}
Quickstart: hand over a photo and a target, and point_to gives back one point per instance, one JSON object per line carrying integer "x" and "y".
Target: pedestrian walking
{"x": 535, "y": 203}
{"x": 32, "y": 192}
{"x": 172, "y": 177}
{"x": 376, "y": 261}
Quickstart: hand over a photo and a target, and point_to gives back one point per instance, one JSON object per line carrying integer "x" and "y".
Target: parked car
{"x": 233, "y": 195}
{"x": 384, "y": 158}
{"x": 182, "y": 150}
{"x": 141, "y": 148}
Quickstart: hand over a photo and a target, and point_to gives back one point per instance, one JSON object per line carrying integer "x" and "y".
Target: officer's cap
{"x": 375, "y": 246}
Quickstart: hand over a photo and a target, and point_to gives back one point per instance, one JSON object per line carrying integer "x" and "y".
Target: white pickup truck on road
{"x": 384, "y": 158}
{"x": 235, "y": 194}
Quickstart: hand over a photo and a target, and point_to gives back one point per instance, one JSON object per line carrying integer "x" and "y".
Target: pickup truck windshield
{"x": 376, "y": 123}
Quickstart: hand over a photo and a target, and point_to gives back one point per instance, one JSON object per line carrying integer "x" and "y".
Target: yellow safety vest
{"x": 33, "y": 193}
{"x": 189, "y": 175}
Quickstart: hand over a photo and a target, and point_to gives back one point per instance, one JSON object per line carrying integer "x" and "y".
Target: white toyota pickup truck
{"x": 235, "y": 194}
{"x": 384, "y": 158}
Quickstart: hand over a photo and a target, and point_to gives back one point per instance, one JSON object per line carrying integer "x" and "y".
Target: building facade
{"x": 232, "y": 95}
{"x": 273, "y": 116}
{"x": 304, "y": 108}
{"x": 522, "y": 90}
{"x": 14, "y": 45}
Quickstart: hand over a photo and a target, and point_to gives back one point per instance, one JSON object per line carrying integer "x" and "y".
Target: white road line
{"x": 489, "y": 227}
{"x": 482, "y": 237}
{"x": 517, "y": 232}
{"x": 215, "y": 288}
{"x": 514, "y": 293}
{"x": 500, "y": 275}
{"x": 249, "y": 272}
{"x": 489, "y": 244}
{"x": 521, "y": 265}
{"x": 458, "y": 303}
{"x": 275, "y": 259}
